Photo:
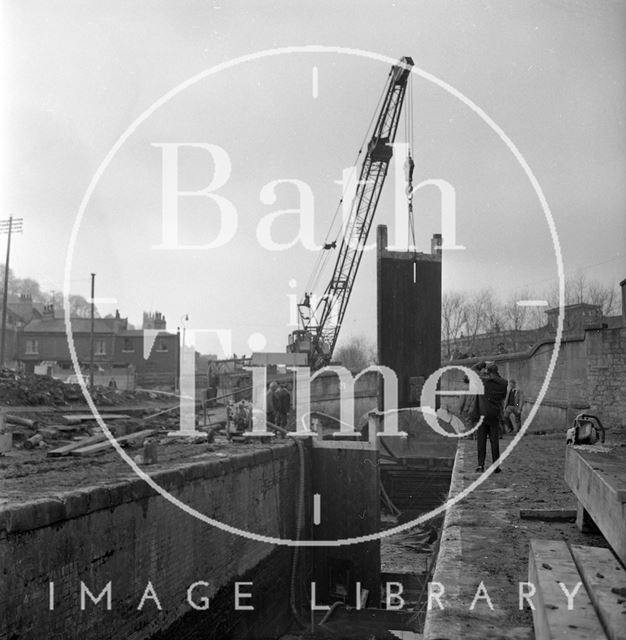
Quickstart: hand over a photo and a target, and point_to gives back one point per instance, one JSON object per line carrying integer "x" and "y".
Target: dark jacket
{"x": 490, "y": 403}
{"x": 282, "y": 400}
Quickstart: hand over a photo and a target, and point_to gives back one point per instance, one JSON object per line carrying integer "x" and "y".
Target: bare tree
{"x": 32, "y": 288}
{"x": 493, "y": 312}
{"x": 13, "y": 281}
{"x": 480, "y": 308}
{"x": 604, "y": 296}
{"x": 518, "y": 317}
{"x": 576, "y": 288}
{"x": 579, "y": 288}
{"x": 453, "y": 317}
{"x": 80, "y": 307}
{"x": 357, "y": 353}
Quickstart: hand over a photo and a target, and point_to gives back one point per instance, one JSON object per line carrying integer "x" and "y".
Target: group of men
{"x": 500, "y": 407}
{"x": 278, "y": 401}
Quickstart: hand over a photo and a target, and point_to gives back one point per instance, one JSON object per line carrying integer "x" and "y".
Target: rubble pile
{"x": 31, "y": 389}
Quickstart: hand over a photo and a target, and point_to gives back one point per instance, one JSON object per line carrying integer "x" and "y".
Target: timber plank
{"x": 81, "y": 417}
{"x": 101, "y": 446}
{"x": 604, "y": 577}
{"x": 600, "y": 493}
{"x": 68, "y": 448}
{"x": 549, "y": 564}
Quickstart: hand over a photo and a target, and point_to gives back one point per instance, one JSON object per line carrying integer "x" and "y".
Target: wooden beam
{"x": 68, "y": 448}
{"x": 549, "y": 564}
{"x": 605, "y": 580}
{"x": 600, "y": 491}
{"x": 74, "y": 418}
{"x": 95, "y": 448}
{"x": 584, "y": 521}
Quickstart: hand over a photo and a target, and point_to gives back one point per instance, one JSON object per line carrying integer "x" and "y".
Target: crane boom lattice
{"x": 322, "y": 324}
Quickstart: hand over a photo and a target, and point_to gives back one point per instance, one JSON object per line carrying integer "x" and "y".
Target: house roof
{"x": 79, "y": 325}
{"x": 130, "y": 333}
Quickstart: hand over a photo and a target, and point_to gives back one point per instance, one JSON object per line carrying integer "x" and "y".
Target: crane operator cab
{"x": 299, "y": 341}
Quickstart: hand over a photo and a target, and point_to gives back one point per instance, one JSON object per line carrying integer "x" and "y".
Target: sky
{"x": 76, "y": 75}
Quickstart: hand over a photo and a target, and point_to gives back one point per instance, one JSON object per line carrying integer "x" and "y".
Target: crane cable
{"x": 323, "y": 259}
{"x": 410, "y": 164}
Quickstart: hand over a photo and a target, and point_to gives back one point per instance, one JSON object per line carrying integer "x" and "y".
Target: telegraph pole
{"x": 177, "y": 381}
{"x": 91, "y": 341}
{"x": 9, "y": 227}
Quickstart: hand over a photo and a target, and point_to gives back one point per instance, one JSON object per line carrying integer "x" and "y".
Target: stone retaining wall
{"x": 590, "y": 375}
{"x": 128, "y": 536}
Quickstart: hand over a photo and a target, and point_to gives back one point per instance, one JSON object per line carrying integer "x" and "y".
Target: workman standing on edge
{"x": 270, "y": 402}
{"x": 490, "y": 408}
{"x": 282, "y": 404}
{"x": 513, "y": 408}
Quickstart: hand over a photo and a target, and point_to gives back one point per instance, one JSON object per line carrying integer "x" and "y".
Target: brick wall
{"x": 590, "y": 375}
{"x": 128, "y": 535}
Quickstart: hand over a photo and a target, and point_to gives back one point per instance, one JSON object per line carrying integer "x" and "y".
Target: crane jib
{"x": 400, "y": 73}
{"x": 319, "y": 339}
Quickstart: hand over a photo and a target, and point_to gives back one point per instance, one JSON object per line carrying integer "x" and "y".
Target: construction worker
{"x": 469, "y": 404}
{"x": 282, "y": 404}
{"x": 513, "y": 408}
{"x": 490, "y": 408}
{"x": 270, "y": 402}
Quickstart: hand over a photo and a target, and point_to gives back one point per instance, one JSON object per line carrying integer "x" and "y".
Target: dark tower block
{"x": 409, "y": 315}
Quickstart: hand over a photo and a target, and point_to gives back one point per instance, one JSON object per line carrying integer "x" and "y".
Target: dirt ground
{"x": 535, "y": 471}
{"x": 28, "y": 474}
{"x": 532, "y": 478}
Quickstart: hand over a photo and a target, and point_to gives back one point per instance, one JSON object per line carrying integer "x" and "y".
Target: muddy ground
{"x": 28, "y": 474}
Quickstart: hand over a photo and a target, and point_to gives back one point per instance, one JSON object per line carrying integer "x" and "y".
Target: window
{"x": 32, "y": 346}
{"x": 101, "y": 347}
{"x": 128, "y": 345}
{"x": 161, "y": 345}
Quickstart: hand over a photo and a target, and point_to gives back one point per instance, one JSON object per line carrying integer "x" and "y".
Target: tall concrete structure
{"x": 409, "y": 315}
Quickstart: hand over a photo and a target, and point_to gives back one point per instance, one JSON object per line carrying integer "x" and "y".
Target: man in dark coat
{"x": 282, "y": 404}
{"x": 490, "y": 408}
{"x": 270, "y": 402}
{"x": 513, "y": 408}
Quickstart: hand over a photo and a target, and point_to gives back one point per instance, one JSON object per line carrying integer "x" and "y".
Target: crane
{"x": 320, "y": 321}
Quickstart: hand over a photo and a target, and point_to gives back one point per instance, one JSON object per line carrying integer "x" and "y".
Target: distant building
{"x": 20, "y": 310}
{"x": 575, "y": 317}
{"x": 43, "y": 340}
{"x": 156, "y": 353}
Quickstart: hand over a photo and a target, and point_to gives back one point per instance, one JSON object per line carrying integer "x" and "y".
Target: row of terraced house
{"x": 36, "y": 341}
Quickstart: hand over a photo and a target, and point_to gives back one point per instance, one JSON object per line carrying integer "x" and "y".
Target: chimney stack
{"x": 154, "y": 320}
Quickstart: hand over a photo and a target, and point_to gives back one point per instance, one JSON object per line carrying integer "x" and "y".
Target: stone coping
{"x": 34, "y": 514}
{"x": 471, "y": 527}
